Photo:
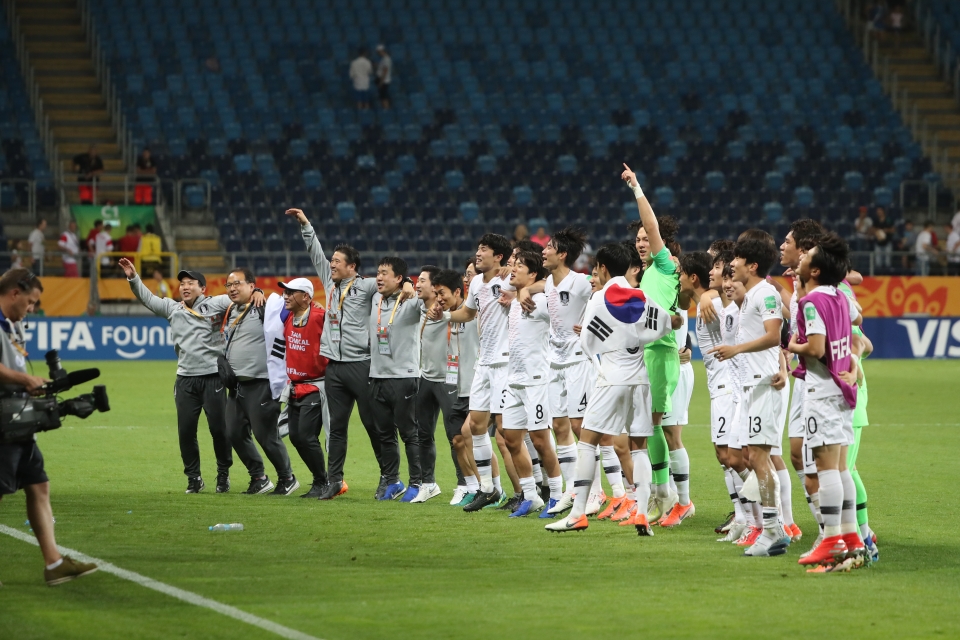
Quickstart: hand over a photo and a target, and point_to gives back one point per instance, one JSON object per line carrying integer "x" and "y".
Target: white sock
{"x": 51, "y": 567}
{"x": 642, "y": 474}
{"x": 534, "y": 459}
{"x": 771, "y": 522}
{"x": 472, "y": 484}
{"x": 496, "y": 484}
{"x": 611, "y": 467}
{"x": 672, "y": 482}
{"x": 529, "y": 487}
{"x": 567, "y": 456}
{"x": 848, "y": 508}
{"x": 631, "y": 491}
{"x": 483, "y": 454}
{"x": 831, "y": 501}
{"x": 556, "y": 487}
{"x": 663, "y": 490}
{"x": 680, "y": 473}
{"x": 586, "y": 468}
{"x": 813, "y": 501}
{"x": 786, "y": 499}
{"x": 732, "y": 492}
{"x": 865, "y": 531}
{"x": 595, "y": 487}
{"x": 741, "y": 513}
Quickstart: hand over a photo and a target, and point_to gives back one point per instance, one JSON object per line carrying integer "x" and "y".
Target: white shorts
{"x": 642, "y": 424}
{"x": 828, "y": 421}
{"x": 795, "y": 427}
{"x": 612, "y": 407}
{"x": 764, "y": 410}
{"x": 809, "y": 462}
{"x": 527, "y": 408}
{"x": 733, "y": 438}
{"x": 570, "y": 389}
{"x": 722, "y": 414}
{"x": 487, "y": 393}
{"x": 782, "y": 420}
{"x": 680, "y": 401}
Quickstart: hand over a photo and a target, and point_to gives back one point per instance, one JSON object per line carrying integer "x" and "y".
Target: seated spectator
{"x": 541, "y": 237}
{"x": 146, "y": 176}
{"x": 88, "y": 166}
{"x": 864, "y": 228}
{"x": 908, "y": 241}
{"x": 926, "y": 249}
{"x": 520, "y": 232}
{"x": 884, "y": 234}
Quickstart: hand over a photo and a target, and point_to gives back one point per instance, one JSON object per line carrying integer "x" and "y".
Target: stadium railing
{"x": 29, "y": 186}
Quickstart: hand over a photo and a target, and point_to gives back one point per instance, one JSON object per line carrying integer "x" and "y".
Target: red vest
{"x": 304, "y": 361}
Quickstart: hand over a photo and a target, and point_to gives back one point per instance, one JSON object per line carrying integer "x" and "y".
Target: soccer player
{"x": 758, "y": 341}
{"x": 660, "y": 284}
{"x": 619, "y": 320}
{"x": 823, "y": 342}
{"x": 463, "y": 346}
{"x": 437, "y": 392}
{"x": 346, "y": 344}
{"x": 526, "y": 406}
{"x": 571, "y": 374}
{"x": 490, "y": 379}
{"x": 695, "y": 279}
{"x": 394, "y": 377}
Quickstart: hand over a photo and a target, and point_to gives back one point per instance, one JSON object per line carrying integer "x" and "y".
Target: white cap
{"x": 298, "y": 284}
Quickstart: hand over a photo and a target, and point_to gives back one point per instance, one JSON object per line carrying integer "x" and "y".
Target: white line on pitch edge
{"x": 180, "y": 594}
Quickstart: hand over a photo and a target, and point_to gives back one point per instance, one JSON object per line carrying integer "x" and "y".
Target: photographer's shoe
{"x": 195, "y": 485}
{"x": 258, "y": 486}
{"x": 333, "y": 490}
{"x": 223, "y": 483}
{"x": 286, "y": 486}
{"x": 69, "y": 569}
{"x": 316, "y": 490}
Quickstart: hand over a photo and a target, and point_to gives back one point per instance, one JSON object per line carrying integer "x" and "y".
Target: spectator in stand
{"x": 584, "y": 262}
{"x": 37, "y": 241}
{"x": 907, "y": 243}
{"x": 70, "y": 248}
{"x": 864, "y": 228}
{"x": 361, "y": 70}
{"x": 104, "y": 244}
{"x": 520, "y": 232}
{"x": 884, "y": 231}
{"x": 896, "y": 24}
{"x": 163, "y": 289}
{"x": 953, "y": 251}
{"x": 926, "y": 249}
{"x": 956, "y": 221}
{"x": 91, "y": 240}
{"x": 130, "y": 242}
{"x": 146, "y": 175}
{"x": 541, "y": 237}
{"x": 384, "y": 76}
{"x": 150, "y": 249}
{"x": 88, "y": 166}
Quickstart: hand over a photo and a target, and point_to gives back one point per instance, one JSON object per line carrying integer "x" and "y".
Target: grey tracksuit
{"x": 197, "y": 342}
{"x": 394, "y": 378}
{"x": 435, "y": 396}
{"x": 252, "y": 407}
{"x": 348, "y": 372}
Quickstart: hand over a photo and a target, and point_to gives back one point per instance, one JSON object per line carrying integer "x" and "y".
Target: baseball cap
{"x": 298, "y": 284}
{"x": 196, "y": 275}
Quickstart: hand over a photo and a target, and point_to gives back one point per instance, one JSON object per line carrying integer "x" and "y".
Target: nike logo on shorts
{"x": 408, "y": 397}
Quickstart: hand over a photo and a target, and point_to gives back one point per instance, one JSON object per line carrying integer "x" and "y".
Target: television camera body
{"x": 22, "y": 415}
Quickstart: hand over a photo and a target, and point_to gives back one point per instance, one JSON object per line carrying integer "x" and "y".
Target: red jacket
{"x": 304, "y": 361}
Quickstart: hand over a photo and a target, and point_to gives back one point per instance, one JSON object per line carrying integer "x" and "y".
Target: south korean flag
{"x": 621, "y": 317}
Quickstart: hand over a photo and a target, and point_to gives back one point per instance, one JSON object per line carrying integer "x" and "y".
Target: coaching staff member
{"x": 194, "y": 323}
{"x": 21, "y": 463}
{"x": 346, "y": 343}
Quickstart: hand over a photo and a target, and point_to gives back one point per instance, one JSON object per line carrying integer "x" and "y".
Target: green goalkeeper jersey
{"x": 661, "y": 283}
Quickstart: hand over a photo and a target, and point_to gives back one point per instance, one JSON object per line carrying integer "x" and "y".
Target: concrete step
{"x": 83, "y": 133}
{"x": 926, "y": 88}
{"x": 949, "y": 135}
{"x": 71, "y": 149}
{"x": 71, "y": 100}
{"x": 206, "y": 264}
{"x": 944, "y": 120}
{"x": 51, "y": 31}
{"x": 58, "y": 46}
{"x": 72, "y": 64}
{"x": 68, "y": 81}
{"x": 190, "y": 244}
{"x": 937, "y": 104}
{"x": 34, "y": 13}
{"x": 67, "y": 117}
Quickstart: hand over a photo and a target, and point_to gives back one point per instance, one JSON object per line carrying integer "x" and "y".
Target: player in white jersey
{"x": 526, "y": 405}
{"x": 490, "y": 380}
{"x": 758, "y": 341}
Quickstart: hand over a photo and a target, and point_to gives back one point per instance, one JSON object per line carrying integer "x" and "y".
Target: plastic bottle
{"x": 236, "y": 526}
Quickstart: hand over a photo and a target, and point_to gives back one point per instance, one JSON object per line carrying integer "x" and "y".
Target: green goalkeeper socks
{"x": 657, "y": 450}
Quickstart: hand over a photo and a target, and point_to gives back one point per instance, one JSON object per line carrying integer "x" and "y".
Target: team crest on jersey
{"x": 729, "y": 323}
{"x": 564, "y": 298}
{"x": 496, "y": 290}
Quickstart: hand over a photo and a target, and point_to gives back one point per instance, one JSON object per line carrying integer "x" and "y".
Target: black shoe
{"x": 223, "y": 483}
{"x": 544, "y": 490}
{"x": 258, "y": 486}
{"x": 725, "y": 522}
{"x": 381, "y": 489}
{"x": 316, "y": 490}
{"x": 481, "y": 500}
{"x": 511, "y": 504}
{"x": 286, "y": 486}
{"x": 333, "y": 489}
{"x": 195, "y": 485}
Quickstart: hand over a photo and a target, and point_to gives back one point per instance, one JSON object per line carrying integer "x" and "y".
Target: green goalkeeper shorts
{"x": 663, "y": 369}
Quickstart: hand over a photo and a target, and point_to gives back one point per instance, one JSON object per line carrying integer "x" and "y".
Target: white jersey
{"x": 484, "y": 298}
{"x": 566, "y": 302}
{"x": 794, "y": 306}
{"x": 529, "y": 336}
{"x": 710, "y": 335}
{"x": 621, "y": 367}
{"x": 818, "y": 381}
{"x": 728, "y": 331}
{"x": 761, "y": 303}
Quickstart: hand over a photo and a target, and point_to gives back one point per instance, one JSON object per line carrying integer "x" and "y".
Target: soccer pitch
{"x": 356, "y": 568}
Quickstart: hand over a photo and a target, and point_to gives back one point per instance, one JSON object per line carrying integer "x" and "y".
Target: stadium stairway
{"x": 71, "y": 94}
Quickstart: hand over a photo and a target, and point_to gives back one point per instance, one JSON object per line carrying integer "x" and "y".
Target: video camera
{"x": 21, "y": 416}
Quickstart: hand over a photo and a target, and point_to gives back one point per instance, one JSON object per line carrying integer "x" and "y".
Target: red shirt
{"x": 92, "y": 239}
{"x": 304, "y": 361}
{"x": 129, "y": 243}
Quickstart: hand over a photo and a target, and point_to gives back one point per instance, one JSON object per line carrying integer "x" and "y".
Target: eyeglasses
{"x": 233, "y": 285}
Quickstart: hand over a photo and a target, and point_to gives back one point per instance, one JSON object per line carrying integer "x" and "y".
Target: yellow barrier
{"x": 137, "y": 258}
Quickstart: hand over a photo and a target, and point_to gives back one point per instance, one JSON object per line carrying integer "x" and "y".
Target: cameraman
{"x": 21, "y": 463}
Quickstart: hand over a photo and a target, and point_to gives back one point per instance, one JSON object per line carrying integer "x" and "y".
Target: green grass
{"x": 355, "y": 568}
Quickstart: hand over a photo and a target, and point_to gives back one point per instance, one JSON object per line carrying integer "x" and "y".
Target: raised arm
{"x": 163, "y": 307}
{"x": 647, "y": 217}
{"x": 320, "y": 262}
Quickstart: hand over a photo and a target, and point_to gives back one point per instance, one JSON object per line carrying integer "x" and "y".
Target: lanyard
{"x": 191, "y": 310}
{"x": 342, "y": 296}
{"x": 392, "y": 313}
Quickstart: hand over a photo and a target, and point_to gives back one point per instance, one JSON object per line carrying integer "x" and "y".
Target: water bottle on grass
{"x": 236, "y": 526}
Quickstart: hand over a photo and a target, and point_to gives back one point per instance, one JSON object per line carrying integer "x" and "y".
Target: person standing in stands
{"x": 384, "y": 76}
{"x": 37, "y": 240}
{"x": 88, "y": 166}
{"x": 150, "y": 248}
{"x": 70, "y": 247}
{"x": 130, "y": 242}
{"x": 146, "y": 174}
{"x": 361, "y": 69}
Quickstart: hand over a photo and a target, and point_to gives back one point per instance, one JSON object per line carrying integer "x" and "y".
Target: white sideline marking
{"x": 180, "y": 594}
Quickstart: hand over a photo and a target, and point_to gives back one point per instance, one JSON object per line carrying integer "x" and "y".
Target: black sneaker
{"x": 511, "y": 504}
{"x": 286, "y": 486}
{"x": 316, "y": 490}
{"x": 334, "y": 489}
{"x": 223, "y": 483}
{"x": 258, "y": 486}
{"x": 381, "y": 489}
{"x": 481, "y": 500}
{"x": 195, "y": 485}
